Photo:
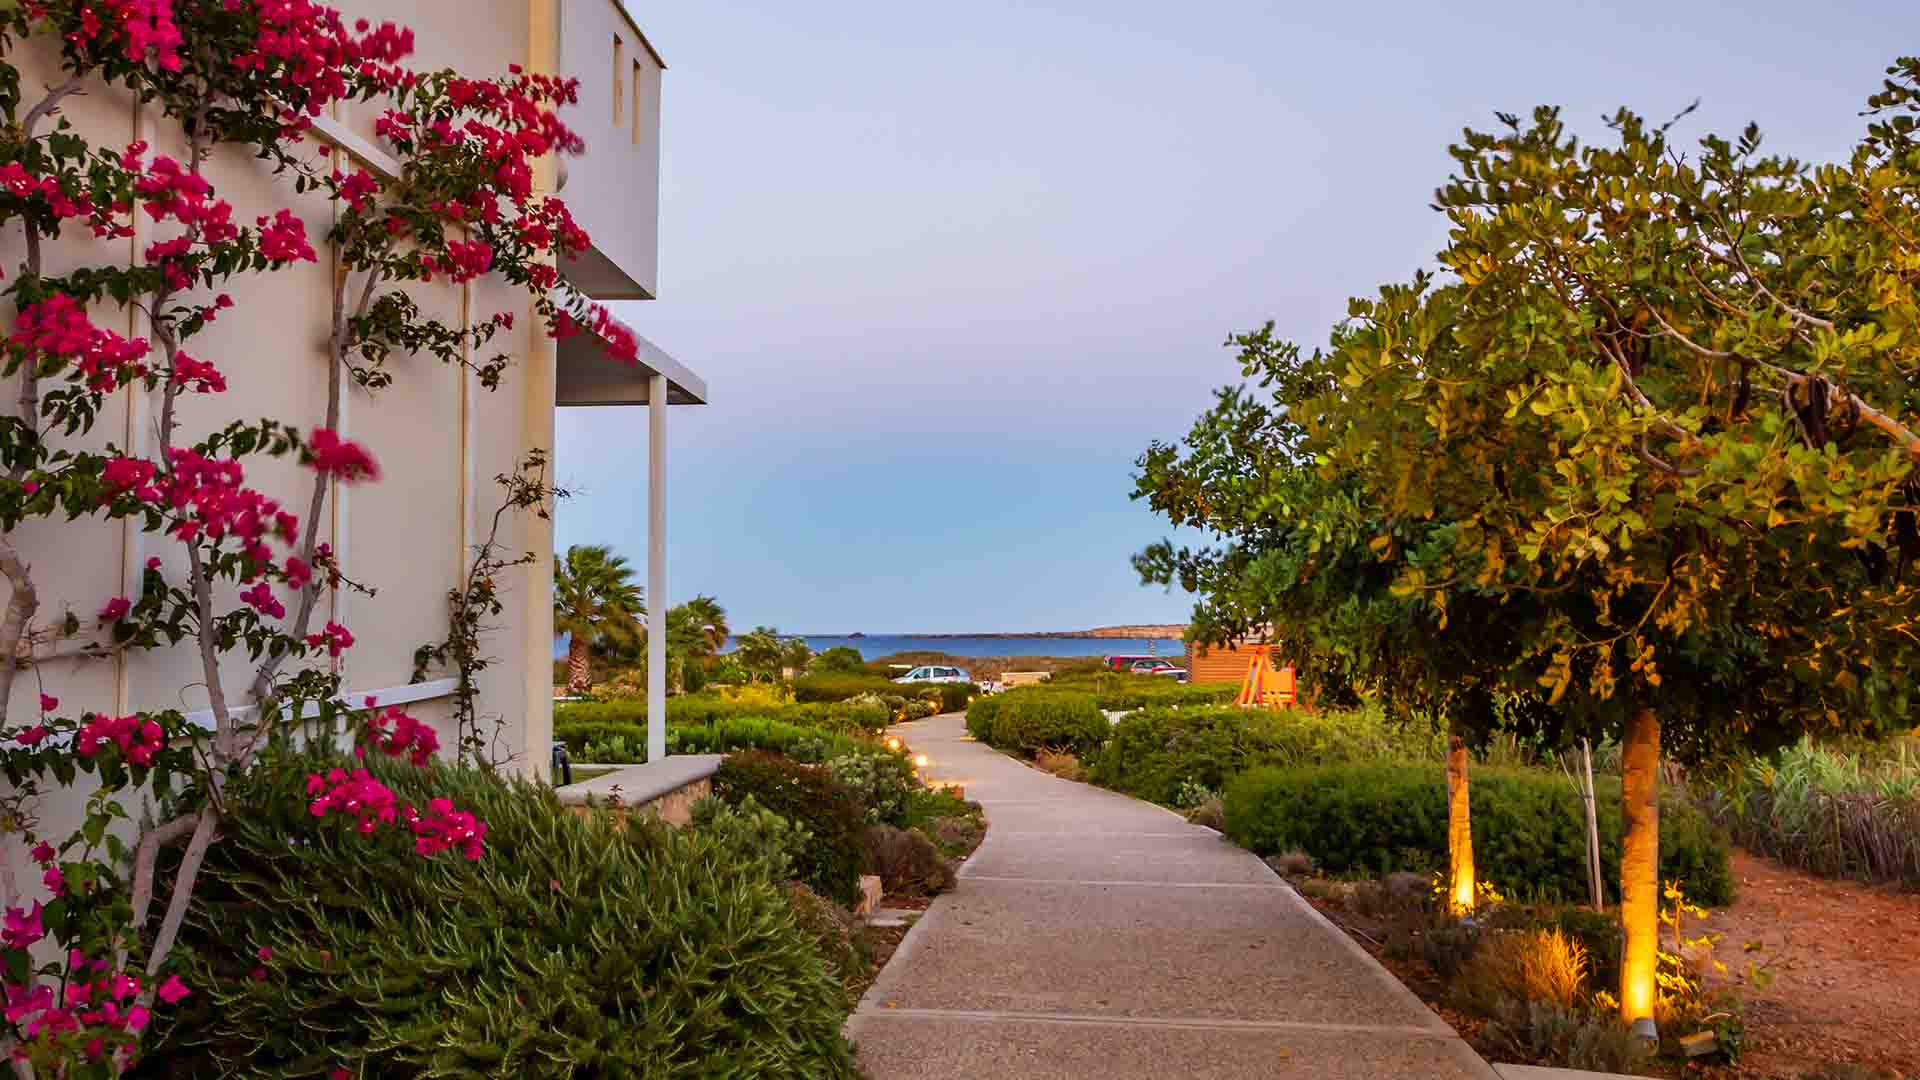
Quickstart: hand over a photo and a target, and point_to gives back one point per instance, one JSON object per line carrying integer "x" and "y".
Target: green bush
{"x": 981, "y": 714}
{"x": 1026, "y": 721}
{"x": 758, "y": 733}
{"x": 1158, "y": 753}
{"x": 1528, "y": 827}
{"x": 838, "y": 686}
{"x": 882, "y": 780}
{"x": 1124, "y": 692}
{"x": 572, "y": 948}
{"x": 579, "y": 722}
{"x": 1833, "y": 811}
{"x": 812, "y": 799}
{"x": 907, "y": 861}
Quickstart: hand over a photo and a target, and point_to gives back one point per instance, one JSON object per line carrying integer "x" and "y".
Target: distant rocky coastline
{"x": 1149, "y": 630}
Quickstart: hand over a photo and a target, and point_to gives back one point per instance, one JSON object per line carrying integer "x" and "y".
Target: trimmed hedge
{"x": 571, "y": 949}
{"x": 1153, "y": 753}
{"x": 1528, "y": 827}
{"x": 1027, "y": 721}
{"x": 811, "y": 798}
{"x": 848, "y": 717}
{"x": 840, "y": 686}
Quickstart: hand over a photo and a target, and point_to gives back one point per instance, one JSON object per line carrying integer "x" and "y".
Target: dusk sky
{"x": 949, "y": 270}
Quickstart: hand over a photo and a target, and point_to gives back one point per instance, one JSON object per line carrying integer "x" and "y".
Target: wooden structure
{"x": 1222, "y": 663}
{"x": 1266, "y": 686}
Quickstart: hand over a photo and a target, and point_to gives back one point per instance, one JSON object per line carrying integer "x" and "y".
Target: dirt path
{"x": 1847, "y": 964}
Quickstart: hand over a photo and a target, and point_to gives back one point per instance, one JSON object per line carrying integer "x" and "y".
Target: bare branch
{"x": 183, "y": 882}
{"x": 1669, "y": 468}
{"x": 49, "y": 104}
{"x": 144, "y": 858}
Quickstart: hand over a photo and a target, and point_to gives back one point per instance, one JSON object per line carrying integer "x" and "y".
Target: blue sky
{"x": 949, "y": 270}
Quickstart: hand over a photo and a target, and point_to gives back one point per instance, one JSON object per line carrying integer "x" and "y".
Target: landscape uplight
{"x": 893, "y": 743}
{"x": 920, "y": 762}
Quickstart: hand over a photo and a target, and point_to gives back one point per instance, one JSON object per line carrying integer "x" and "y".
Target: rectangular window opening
{"x": 639, "y": 88}
{"x": 619, "y": 72}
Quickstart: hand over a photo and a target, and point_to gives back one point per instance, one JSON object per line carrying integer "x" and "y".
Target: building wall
{"x": 440, "y": 437}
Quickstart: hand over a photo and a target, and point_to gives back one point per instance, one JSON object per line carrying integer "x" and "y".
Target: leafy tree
{"x": 1299, "y": 560}
{"x": 596, "y": 601}
{"x": 840, "y": 658}
{"x": 1662, "y": 417}
{"x": 760, "y": 653}
{"x": 795, "y": 654}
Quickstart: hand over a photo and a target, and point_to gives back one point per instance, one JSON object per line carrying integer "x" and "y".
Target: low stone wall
{"x": 666, "y": 789}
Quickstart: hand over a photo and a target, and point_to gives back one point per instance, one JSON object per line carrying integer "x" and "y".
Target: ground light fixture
{"x": 893, "y": 743}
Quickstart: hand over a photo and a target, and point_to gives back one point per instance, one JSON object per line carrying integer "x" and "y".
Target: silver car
{"x": 935, "y": 674}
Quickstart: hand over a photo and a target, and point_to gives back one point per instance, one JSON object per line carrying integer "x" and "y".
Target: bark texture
{"x": 1640, "y": 864}
{"x": 1460, "y": 876}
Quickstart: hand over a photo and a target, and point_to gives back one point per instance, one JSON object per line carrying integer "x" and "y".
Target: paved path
{"x": 1094, "y": 935}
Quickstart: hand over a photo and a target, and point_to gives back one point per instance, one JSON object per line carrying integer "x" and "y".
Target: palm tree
{"x": 596, "y": 601}
{"x": 706, "y": 613}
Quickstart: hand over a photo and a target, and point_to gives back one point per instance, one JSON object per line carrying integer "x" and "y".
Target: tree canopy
{"x": 1644, "y": 441}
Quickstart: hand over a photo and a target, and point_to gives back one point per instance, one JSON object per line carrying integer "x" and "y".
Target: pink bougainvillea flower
{"x": 283, "y": 238}
{"x": 48, "y": 703}
{"x": 55, "y": 881}
{"x": 22, "y": 927}
{"x": 44, "y": 853}
{"x": 335, "y": 637}
{"x": 173, "y": 990}
{"x": 337, "y": 457}
{"x": 115, "y": 609}
{"x": 33, "y": 736}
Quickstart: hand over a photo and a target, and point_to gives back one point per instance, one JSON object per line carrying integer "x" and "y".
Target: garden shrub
{"x": 1533, "y": 965}
{"x": 1027, "y": 720}
{"x": 769, "y": 845}
{"x": 907, "y": 861}
{"x": 1529, "y": 830}
{"x": 1154, "y": 754}
{"x": 981, "y": 714}
{"x": 882, "y": 780}
{"x": 1124, "y": 692}
{"x": 1542, "y": 1031}
{"x": 811, "y": 798}
{"x": 575, "y": 948}
{"x": 696, "y": 710}
{"x": 1835, "y": 812}
{"x": 837, "y": 686}
{"x": 839, "y": 936}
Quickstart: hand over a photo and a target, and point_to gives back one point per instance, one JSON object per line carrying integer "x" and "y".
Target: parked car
{"x": 1158, "y": 666}
{"x": 935, "y": 675}
{"x": 1124, "y": 663}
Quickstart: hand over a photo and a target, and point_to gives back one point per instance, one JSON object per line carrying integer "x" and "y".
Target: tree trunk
{"x": 1640, "y": 864}
{"x": 579, "y": 675}
{"x": 1460, "y": 879}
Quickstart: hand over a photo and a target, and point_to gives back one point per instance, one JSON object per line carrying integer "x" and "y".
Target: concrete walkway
{"x": 1094, "y": 935}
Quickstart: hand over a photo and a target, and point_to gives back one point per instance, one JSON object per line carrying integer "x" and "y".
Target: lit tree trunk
{"x": 579, "y": 676}
{"x": 1460, "y": 879}
{"x": 1640, "y": 864}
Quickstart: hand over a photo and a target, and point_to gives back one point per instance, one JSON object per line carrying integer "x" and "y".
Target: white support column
{"x": 657, "y": 568}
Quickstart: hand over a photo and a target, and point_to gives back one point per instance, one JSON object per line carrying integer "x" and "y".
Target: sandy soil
{"x": 1846, "y": 963}
{"x": 1844, "y": 1000}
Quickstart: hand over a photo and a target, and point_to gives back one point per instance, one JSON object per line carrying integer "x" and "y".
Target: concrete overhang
{"x": 588, "y": 374}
